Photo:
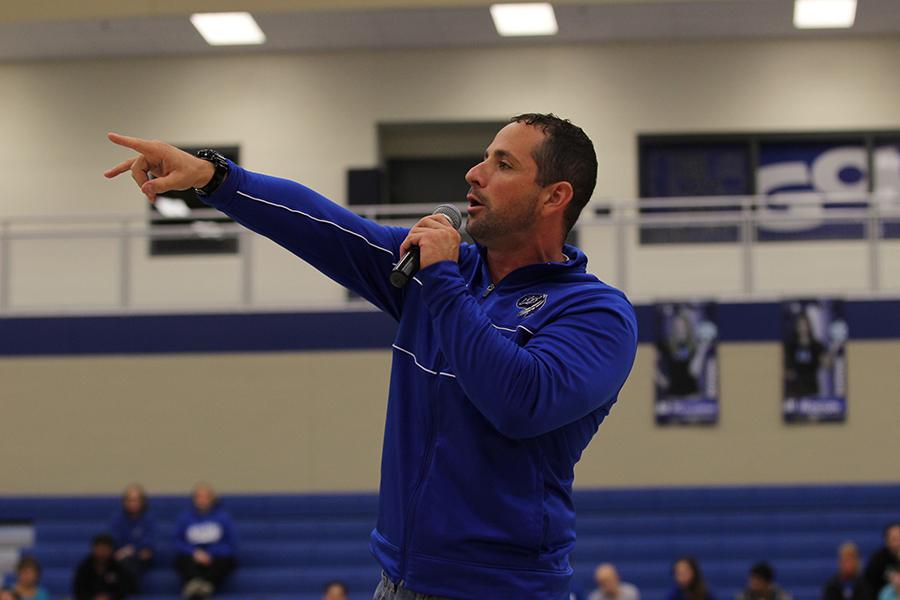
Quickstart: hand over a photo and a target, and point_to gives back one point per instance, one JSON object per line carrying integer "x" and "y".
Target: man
{"x": 99, "y": 577}
{"x": 761, "y": 585}
{"x": 507, "y": 357}
{"x": 884, "y": 560}
{"x": 609, "y": 587}
{"x": 847, "y": 583}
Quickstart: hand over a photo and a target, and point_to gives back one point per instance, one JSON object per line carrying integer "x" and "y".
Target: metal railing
{"x": 622, "y": 221}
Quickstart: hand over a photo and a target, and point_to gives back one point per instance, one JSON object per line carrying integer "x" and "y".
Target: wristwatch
{"x": 221, "y": 170}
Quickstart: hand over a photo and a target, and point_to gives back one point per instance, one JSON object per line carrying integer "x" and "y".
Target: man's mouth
{"x": 474, "y": 202}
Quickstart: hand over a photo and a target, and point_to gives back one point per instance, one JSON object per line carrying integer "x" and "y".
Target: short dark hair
{"x": 335, "y": 583}
{"x": 567, "y": 154}
{"x": 764, "y": 571}
{"x": 103, "y": 539}
{"x": 28, "y": 561}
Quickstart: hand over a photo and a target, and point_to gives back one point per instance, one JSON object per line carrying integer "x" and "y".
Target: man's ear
{"x": 558, "y": 195}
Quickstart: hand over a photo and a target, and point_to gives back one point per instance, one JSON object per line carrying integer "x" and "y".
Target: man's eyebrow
{"x": 502, "y": 154}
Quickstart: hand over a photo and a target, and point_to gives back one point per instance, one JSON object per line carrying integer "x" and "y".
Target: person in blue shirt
{"x": 204, "y": 545}
{"x": 133, "y": 528}
{"x": 508, "y": 354}
{"x": 28, "y": 578}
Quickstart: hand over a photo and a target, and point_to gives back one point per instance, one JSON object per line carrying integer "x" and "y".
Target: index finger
{"x": 141, "y": 145}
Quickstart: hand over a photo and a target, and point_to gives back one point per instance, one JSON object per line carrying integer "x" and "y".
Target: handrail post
{"x": 874, "y": 238}
{"x": 5, "y": 266}
{"x": 245, "y": 241}
{"x": 125, "y": 265}
{"x": 748, "y": 235}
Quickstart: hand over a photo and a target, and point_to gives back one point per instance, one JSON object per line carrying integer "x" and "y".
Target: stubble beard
{"x": 491, "y": 226}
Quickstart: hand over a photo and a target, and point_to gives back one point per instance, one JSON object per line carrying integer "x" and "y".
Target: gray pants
{"x": 388, "y": 590}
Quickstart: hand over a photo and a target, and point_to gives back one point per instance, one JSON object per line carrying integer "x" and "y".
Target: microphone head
{"x": 451, "y": 212}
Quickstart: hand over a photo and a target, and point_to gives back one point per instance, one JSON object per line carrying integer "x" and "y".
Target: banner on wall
{"x": 814, "y": 334}
{"x": 687, "y": 377}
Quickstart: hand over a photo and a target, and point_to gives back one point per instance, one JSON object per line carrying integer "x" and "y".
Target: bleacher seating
{"x": 290, "y": 545}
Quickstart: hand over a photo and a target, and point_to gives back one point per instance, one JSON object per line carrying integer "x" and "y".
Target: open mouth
{"x": 474, "y": 202}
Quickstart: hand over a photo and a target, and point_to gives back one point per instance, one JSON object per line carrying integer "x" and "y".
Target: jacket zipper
{"x": 414, "y": 497}
{"x": 487, "y": 291}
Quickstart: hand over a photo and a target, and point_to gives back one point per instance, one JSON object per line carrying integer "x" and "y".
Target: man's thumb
{"x": 159, "y": 185}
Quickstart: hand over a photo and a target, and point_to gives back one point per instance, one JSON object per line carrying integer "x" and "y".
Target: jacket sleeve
{"x": 355, "y": 252}
{"x": 182, "y": 546}
{"x": 148, "y": 534}
{"x": 226, "y": 544}
{"x": 570, "y": 368}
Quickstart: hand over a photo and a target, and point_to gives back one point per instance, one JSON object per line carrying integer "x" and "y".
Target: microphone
{"x": 408, "y": 266}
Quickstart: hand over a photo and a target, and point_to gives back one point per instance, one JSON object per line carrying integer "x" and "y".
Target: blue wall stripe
{"x": 271, "y": 332}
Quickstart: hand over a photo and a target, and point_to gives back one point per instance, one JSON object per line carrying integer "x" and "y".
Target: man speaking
{"x": 507, "y": 358}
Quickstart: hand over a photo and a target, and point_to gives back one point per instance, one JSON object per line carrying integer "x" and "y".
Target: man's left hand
{"x": 436, "y": 238}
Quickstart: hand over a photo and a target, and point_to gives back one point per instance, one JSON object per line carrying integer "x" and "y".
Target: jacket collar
{"x": 576, "y": 262}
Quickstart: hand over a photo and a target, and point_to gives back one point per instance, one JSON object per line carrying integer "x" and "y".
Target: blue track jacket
{"x": 495, "y": 392}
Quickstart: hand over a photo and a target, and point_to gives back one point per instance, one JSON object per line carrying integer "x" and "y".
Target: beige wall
{"x": 310, "y": 116}
{"x": 298, "y": 422}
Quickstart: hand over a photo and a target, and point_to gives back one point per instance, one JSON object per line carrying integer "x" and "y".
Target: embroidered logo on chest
{"x": 530, "y": 303}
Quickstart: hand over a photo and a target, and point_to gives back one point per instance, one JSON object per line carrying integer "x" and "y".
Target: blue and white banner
{"x": 886, "y": 165}
{"x": 687, "y": 373}
{"x": 796, "y": 179}
{"x": 814, "y": 334}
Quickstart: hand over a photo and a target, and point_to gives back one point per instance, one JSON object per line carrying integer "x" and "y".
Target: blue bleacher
{"x": 289, "y": 545}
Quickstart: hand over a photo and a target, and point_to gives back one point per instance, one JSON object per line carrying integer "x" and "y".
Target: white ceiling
{"x": 420, "y": 24}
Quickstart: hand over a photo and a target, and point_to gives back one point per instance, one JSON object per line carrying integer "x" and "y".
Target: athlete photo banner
{"x": 814, "y": 334}
{"x": 687, "y": 372}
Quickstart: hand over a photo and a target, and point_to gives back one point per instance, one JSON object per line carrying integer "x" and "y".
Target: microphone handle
{"x": 404, "y": 270}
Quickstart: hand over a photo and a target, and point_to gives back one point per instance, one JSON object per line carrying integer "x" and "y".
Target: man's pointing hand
{"x": 160, "y": 167}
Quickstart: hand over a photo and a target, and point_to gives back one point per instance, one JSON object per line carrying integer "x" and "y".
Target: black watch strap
{"x": 221, "y": 171}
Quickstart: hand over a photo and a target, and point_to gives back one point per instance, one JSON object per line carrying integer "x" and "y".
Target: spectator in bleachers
{"x": 99, "y": 576}
{"x": 761, "y": 585}
{"x": 6, "y": 594}
{"x": 28, "y": 579}
{"x": 891, "y": 591}
{"x": 848, "y": 583}
{"x": 610, "y": 587}
{"x": 205, "y": 545}
{"x": 133, "y": 529}
{"x": 886, "y": 558}
{"x": 689, "y": 582}
{"x": 335, "y": 590}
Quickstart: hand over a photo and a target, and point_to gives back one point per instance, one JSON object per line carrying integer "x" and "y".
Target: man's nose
{"x": 475, "y": 176}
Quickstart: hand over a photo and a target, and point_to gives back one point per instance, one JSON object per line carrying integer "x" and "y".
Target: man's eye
{"x": 504, "y": 165}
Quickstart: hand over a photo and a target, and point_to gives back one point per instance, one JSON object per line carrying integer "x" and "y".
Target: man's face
{"x": 848, "y": 564}
{"x": 892, "y": 539}
{"x": 607, "y": 580}
{"x": 335, "y": 592}
{"x": 203, "y": 498}
{"x": 28, "y": 576}
{"x": 757, "y": 584}
{"x": 504, "y": 193}
{"x": 102, "y": 552}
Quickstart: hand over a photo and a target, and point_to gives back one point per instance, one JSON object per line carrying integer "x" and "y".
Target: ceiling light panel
{"x": 824, "y": 14}
{"x": 228, "y": 28}
{"x": 524, "y": 19}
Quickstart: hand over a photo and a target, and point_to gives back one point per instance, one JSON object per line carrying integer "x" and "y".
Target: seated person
{"x": 609, "y": 587}
{"x": 885, "y": 559}
{"x": 891, "y": 591}
{"x": 335, "y": 590}
{"x": 28, "y": 578}
{"x": 133, "y": 529}
{"x": 6, "y": 594}
{"x": 205, "y": 545}
{"x": 689, "y": 582}
{"x": 761, "y": 585}
{"x": 848, "y": 583}
{"x": 99, "y": 576}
